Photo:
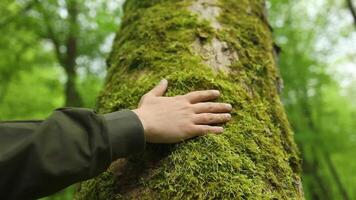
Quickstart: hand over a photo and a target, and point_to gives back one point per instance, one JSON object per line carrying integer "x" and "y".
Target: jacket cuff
{"x": 126, "y": 133}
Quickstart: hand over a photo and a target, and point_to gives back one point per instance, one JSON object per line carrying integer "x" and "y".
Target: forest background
{"x": 53, "y": 54}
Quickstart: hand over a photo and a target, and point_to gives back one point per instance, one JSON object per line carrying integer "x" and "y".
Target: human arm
{"x": 38, "y": 158}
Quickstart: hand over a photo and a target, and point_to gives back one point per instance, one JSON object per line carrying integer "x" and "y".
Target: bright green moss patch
{"x": 255, "y": 158}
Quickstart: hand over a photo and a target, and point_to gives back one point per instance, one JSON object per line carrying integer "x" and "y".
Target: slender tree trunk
{"x": 335, "y": 176}
{"x": 201, "y": 44}
{"x": 315, "y": 167}
{"x": 352, "y": 9}
{"x": 72, "y": 95}
{"x": 66, "y": 58}
{"x": 321, "y": 189}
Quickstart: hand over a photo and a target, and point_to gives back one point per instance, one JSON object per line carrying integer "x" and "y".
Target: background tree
{"x": 310, "y": 93}
{"x": 31, "y": 79}
{"x": 199, "y": 45}
{"x": 74, "y": 30}
{"x": 352, "y": 9}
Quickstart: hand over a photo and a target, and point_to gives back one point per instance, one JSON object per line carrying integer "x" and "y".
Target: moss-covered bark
{"x": 202, "y": 44}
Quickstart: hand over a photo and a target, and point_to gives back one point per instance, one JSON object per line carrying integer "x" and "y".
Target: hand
{"x": 174, "y": 119}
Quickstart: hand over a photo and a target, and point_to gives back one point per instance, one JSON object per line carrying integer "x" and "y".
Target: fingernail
{"x": 228, "y": 116}
{"x": 219, "y": 130}
{"x": 163, "y": 81}
{"x": 217, "y": 92}
{"x": 229, "y": 106}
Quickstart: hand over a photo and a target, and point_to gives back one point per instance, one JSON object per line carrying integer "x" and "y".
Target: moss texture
{"x": 256, "y": 157}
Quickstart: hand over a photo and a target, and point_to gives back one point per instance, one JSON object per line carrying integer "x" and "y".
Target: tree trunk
{"x": 196, "y": 45}
{"x": 73, "y": 97}
{"x": 352, "y": 9}
{"x": 67, "y": 58}
{"x": 336, "y": 176}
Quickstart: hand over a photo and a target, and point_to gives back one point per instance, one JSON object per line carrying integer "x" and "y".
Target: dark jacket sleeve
{"x": 38, "y": 158}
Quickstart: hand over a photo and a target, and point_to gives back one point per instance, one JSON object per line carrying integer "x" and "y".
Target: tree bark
{"x": 196, "y": 45}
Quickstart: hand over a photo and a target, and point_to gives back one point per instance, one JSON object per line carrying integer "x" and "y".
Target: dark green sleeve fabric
{"x": 38, "y": 158}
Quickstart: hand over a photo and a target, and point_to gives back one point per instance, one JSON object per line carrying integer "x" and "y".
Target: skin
{"x": 174, "y": 119}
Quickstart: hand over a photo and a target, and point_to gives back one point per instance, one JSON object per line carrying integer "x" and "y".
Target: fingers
{"x": 210, "y": 118}
{"x": 160, "y": 89}
{"x": 212, "y": 107}
{"x": 200, "y": 96}
{"x": 201, "y": 130}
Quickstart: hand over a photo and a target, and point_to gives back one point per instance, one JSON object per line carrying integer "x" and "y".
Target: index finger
{"x": 204, "y": 95}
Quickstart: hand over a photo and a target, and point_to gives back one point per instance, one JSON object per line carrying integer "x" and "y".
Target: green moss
{"x": 103, "y": 187}
{"x": 255, "y": 158}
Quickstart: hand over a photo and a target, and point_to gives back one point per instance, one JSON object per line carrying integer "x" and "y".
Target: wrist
{"x": 141, "y": 118}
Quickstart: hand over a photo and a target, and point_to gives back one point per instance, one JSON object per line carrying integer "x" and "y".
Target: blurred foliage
{"x": 31, "y": 77}
{"x": 32, "y": 96}
{"x": 317, "y": 39}
{"x": 44, "y": 34}
{"x": 322, "y": 117}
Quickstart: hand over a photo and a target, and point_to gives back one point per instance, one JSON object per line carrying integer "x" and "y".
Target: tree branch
{"x": 352, "y": 10}
{"x": 52, "y": 37}
{"x": 56, "y": 43}
{"x": 71, "y": 40}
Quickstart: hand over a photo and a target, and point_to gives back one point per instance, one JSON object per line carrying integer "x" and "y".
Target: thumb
{"x": 160, "y": 89}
